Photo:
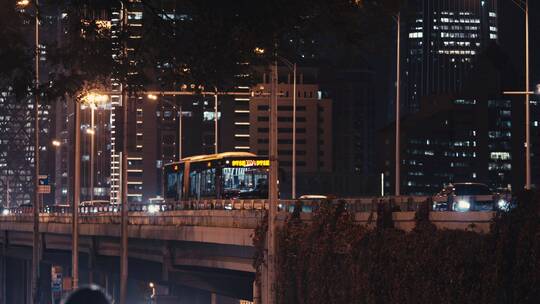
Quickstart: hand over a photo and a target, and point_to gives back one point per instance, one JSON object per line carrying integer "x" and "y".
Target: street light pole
{"x": 292, "y": 66}
{"x": 36, "y": 242}
{"x": 527, "y": 104}
{"x": 125, "y": 206}
{"x": 76, "y": 197}
{"x": 216, "y": 136}
{"x": 92, "y": 143}
{"x": 527, "y": 94}
{"x": 398, "y": 118}
{"x": 180, "y": 133}
{"x": 124, "y": 187}
{"x": 294, "y": 136}
{"x": 273, "y": 192}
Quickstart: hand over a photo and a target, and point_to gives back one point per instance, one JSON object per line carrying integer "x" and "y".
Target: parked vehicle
{"x": 311, "y": 202}
{"x": 463, "y": 197}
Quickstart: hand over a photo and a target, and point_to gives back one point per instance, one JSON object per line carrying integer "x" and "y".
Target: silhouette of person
{"x": 91, "y": 294}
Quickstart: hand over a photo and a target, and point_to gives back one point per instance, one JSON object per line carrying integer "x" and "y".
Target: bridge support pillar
{"x": 92, "y": 261}
{"x": 3, "y": 280}
{"x": 256, "y": 293}
{"x": 263, "y": 282}
{"x": 3, "y": 271}
{"x": 17, "y": 286}
{"x": 167, "y": 261}
{"x": 44, "y": 287}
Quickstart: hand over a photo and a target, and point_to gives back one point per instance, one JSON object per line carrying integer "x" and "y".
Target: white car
{"x": 463, "y": 197}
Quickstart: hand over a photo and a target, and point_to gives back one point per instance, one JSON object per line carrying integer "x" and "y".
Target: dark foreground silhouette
{"x": 92, "y": 294}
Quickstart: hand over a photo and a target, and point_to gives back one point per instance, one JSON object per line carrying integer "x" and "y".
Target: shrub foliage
{"x": 333, "y": 260}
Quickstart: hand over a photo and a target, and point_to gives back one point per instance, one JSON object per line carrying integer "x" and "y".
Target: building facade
{"x": 458, "y": 140}
{"x": 475, "y": 135}
{"x": 442, "y": 40}
{"x": 17, "y": 118}
{"x": 352, "y": 91}
{"x": 314, "y": 142}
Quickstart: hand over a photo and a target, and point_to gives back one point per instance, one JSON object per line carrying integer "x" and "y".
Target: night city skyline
{"x": 218, "y": 138}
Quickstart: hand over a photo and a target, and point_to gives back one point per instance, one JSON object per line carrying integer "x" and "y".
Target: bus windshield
{"x": 244, "y": 180}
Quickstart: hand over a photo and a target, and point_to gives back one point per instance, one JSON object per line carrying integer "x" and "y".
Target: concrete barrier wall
{"x": 200, "y": 225}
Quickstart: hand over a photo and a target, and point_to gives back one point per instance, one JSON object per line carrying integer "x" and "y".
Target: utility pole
{"x": 527, "y": 94}
{"x": 216, "y": 136}
{"x": 294, "y": 136}
{"x": 527, "y": 103}
{"x": 7, "y": 193}
{"x": 92, "y": 144}
{"x": 124, "y": 189}
{"x": 398, "y": 114}
{"x": 125, "y": 207}
{"x": 179, "y": 132}
{"x": 36, "y": 241}
{"x": 76, "y": 197}
{"x": 270, "y": 289}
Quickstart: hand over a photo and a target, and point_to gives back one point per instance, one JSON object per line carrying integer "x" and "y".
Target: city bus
{"x": 230, "y": 175}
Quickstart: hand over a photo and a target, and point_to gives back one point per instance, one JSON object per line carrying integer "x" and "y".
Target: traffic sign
{"x": 43, "y": 184}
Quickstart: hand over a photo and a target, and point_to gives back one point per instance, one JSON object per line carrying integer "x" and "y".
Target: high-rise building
{"x": 442, "y": 40}
{"x": 457, "y": 140}
{"x": 17, "y": 117}
{"x": 314, "y": 142}
{"x": 154, "y": 125}
{"x": 129, "y": 38}
{"x": 352, "y": 91}
{"x": 476, "y": 135}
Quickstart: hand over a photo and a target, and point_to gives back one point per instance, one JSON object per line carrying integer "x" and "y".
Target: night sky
{"x": 512, "y": 36}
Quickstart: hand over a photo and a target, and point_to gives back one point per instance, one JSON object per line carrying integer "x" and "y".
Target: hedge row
{"x": 334, "y": 260}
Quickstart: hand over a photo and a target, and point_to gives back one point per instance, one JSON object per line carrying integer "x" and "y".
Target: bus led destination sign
{"x": 251, "y": 163}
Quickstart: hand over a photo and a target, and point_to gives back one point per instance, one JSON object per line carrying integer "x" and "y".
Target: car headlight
{"x": 153, "y": 208}
{"x": 463, "y": 205}
{"x": 503, "y": 205}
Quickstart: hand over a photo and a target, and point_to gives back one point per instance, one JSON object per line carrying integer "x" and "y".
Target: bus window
{"x": 180, "y": 185}
{"x": 172, "y": 185}
{"x": 208, "y": 182}
{"x": 173, "y": 188}
{"x": 194, "y": 184}
{"x": 244, "y": 180}
{"x": 202, "y": 183}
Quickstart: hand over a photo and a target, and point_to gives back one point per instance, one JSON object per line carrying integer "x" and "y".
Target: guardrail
{"x": 400, "y": 203}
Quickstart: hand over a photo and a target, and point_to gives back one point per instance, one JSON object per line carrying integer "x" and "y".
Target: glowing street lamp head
{"x": 152, "y": 96}
{"x": 23, "y": 3}
{"x": 56, "y": 143}
{"x": 94, "y": 99}
{"x": 151, "y": 285}
{"x": 90, "y": 132}
{"x": 259, "y": 51}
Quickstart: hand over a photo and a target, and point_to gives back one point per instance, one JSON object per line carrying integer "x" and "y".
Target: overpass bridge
{"x": 201, "y": 244}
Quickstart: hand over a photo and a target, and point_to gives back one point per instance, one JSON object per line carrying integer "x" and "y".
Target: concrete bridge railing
{"x": 239, "y": 219}
{"x": 367, "y": 204}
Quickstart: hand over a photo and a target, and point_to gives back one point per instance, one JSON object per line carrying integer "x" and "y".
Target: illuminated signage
{"x": 251, "y": 163}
